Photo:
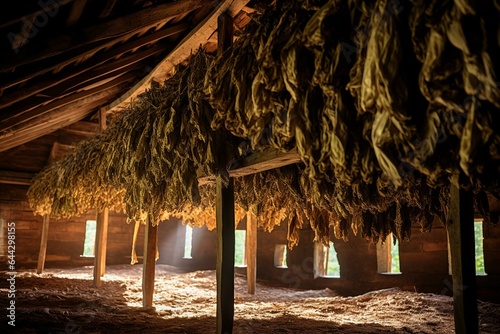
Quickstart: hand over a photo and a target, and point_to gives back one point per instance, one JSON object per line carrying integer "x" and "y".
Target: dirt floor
{"x": 64, "y": 301}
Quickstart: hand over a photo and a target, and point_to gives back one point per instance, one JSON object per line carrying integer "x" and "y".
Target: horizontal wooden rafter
{"x": 18, "y": 178}
{"x": 38, "y": 112}
{"x": 198, "y": 36}
{"x": 56, "y": 119}
{"x": 88, "y": 81}
{"x": 258, "y": 162}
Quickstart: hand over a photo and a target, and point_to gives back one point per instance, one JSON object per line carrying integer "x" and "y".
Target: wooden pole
{"x": 225, "y": 256}
{"x": 149, "y": 258}
{"x": 460, "y": 228}
{"x": 105, "y": 213}
{"x": 251, "y": 251}
{"x": 98, "y": 250}
{"x": 43, "y": 244}
{"x": 225, "y": 215}
{"x": 104, "y": 240}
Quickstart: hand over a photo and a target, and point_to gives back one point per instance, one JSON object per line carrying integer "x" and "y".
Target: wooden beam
{"x": 43, "y": 244}
{"x": 118, "y": 30}
{"x": 61, "y": 81}
{"x": 101, "y": 243}
{"x": 251, "y": 251}
{"x": 76, "y": 12}
{"x": 105, "y": 213}
{"x": 54, "y": 120}
{"x": 18, "y": 178}
{"x": 86, "y": 95}
{"x": 262, "y": 161}
{"x": 198, "y": 36}
{"x": 258, "y": 162}
{"x": 84, "y": 128}
{"x": 224, "y": 212}
{"x": 99, "y": 232}
{"x": 460, "y": 228}
{"x": 99, "y": 60}
{"x": 149, "y": 258}
{"x": 248, "y": 10}
{"x": 102, "y": 119}
{"x": 225, "y": 255}
{"x": 225, "y": 29}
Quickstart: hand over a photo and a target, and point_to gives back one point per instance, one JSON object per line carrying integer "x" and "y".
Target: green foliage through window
{"x": 478, "y": 238}
{"x": 333, "y": 262}
{"x": 89, "y": 243}
{"x": 394, "y": 256}
{"x": 239, "y": 248}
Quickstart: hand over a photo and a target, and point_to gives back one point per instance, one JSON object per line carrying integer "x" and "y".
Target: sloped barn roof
{"x": 63, "y": 61}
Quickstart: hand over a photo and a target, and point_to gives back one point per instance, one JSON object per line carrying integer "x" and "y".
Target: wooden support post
{"x": 149, "y": 258}
{"x": 225, "y": 256}
{"x": 43, "y": 244}
{"x": 104, "y": 240}
{"x": 104, "y": 215}
{"x": 102, "y": 119}
{"x": 225, "y": 216}
{"x": 461, "y": 237}
{"x": 224, "y": 32}
{"x": 99, "y": 237}
{"x": 251, "y": 251}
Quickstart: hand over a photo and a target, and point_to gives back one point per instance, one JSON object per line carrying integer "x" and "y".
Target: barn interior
{"x": 232, "y": 166}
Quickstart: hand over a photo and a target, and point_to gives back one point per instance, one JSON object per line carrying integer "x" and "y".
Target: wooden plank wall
{"x": 66, "y": 236}
{"x": 423, "y": 262}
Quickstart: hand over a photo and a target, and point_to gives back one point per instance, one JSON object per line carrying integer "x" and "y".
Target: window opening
{"x": 326, "y": 263}
{"x": 188, "y": 243}
{"x": 478, "y": 242}
{"x": 388, "y": 256}
{"x": 280, "y": 254}
{"x": 239, "y": 248}
{"x": 89, "y": 243}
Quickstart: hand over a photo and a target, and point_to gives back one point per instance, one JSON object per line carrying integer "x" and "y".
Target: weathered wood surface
{"x": 251, "y": 252}
{"x": 258, "y": 162}
{"x": 460, "y": 227}
{"x": 114, "y": 31}
{"x": 43, "y": 244}
{"x": 149, "y": 264}
{"x": 225, "y": 256}
{"x": 198, "y": 36}
{"x": 19, "y": 178}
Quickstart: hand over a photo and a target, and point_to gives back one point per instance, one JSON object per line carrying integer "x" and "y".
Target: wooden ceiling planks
{"x": 56, "y": 118}
{"x": 109, "y": 33}
{"x": 90, "y": 54}
{"x": 105, "y": 57}
{"x": 81, "y": 74}
{"x": 20, "y": 118}
{"x": 17, "y": 178}
{"x": 198, "y": 36}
